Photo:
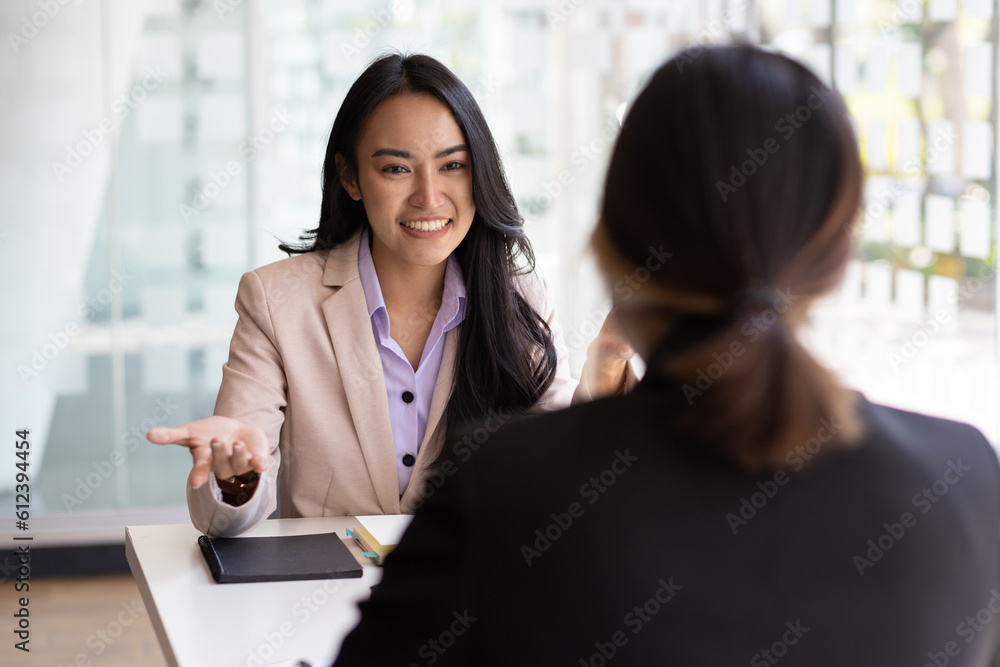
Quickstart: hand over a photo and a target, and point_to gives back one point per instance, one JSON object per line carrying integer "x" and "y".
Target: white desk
{"x": 200, "y": 622}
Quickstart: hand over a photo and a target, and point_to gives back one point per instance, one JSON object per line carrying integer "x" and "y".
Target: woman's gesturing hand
{"x": 220, "y": 445}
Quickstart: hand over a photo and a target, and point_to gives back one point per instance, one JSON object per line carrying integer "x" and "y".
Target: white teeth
{"x": 427, "y": 225}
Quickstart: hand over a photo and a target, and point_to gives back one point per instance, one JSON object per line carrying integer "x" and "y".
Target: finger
{"x": 221, "y": 451}
{"x": 612, "y": 350}
{"x": 202, "y": 467}
{"x": 259, "y": 463}
{"x": 164, "y": 435}
{"x": 258, "y": 449}
{"x": 239, "y": 460}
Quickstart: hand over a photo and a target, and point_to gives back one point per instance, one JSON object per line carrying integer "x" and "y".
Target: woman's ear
{"x": 347, "y": 177}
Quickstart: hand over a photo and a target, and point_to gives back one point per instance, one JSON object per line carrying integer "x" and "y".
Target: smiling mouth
{"x": 426, "y": 225}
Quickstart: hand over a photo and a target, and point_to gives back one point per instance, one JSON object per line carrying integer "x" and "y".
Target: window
{"x": 157, "y": 154}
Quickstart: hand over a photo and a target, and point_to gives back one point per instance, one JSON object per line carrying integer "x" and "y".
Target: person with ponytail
{"x": 411, "y": 307}
{"x": 740, "y": 505}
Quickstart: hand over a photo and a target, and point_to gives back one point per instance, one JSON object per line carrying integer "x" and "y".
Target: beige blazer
{"x": 303, "y": 366}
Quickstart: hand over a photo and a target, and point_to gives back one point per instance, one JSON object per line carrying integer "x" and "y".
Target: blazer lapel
{"x": 442, "y": 390}
{"x": 346, "y": 314}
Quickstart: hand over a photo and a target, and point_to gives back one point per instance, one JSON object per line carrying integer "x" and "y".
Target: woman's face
{"x": 414, "y": 176}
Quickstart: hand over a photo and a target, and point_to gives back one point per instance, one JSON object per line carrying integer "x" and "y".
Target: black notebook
{"x": 280, "y": 558}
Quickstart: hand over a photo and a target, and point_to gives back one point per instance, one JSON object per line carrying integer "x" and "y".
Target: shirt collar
{"x": 452, "y": 297}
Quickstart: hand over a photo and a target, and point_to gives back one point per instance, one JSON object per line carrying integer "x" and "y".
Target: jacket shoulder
{"x": 306, "y": 265}
{"x": 918, "y": 432}
{"x": 287, "y": 281}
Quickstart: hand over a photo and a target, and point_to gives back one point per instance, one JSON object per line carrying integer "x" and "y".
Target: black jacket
{"x": 591, "y": 536}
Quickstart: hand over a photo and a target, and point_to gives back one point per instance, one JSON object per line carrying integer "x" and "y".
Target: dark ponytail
{"x": 744, "y": 166}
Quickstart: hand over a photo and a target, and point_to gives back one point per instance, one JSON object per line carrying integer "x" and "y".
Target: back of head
{"x": 743, "y": 166}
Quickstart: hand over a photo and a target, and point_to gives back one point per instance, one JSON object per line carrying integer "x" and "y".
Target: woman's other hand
{"x": 608, "y": 360}
{"x": 220, "y": 445}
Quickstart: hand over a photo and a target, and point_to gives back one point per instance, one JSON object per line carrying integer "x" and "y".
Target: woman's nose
{"x": 427, "y": 193}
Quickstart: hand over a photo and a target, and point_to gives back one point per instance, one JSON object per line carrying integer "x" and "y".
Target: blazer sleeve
{"x": 254, "y": 391}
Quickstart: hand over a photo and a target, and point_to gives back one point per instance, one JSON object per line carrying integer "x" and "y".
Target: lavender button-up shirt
{"x": 410, "y": 392}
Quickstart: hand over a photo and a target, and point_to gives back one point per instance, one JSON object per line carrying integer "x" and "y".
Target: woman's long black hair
{"x": 506, "y": 357}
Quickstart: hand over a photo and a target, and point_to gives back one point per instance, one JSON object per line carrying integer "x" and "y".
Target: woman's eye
{"x": 451, "y": 166}
{"x": 394, "y": 169}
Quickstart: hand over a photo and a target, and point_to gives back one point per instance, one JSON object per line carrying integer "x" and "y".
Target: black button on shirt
{"x": 407, "y": 397}
{"x": 408, "y": 459}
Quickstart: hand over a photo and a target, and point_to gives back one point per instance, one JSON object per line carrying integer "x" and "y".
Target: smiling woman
{"x": 412, "y": 307}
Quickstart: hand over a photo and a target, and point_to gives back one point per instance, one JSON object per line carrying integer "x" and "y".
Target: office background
{"x": 155, "y": 150}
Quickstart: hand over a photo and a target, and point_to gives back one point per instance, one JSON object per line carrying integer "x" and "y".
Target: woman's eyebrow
{"x": 394, "y": 152}
{"x": 406, "y": 155}
{"x": 454, "y": 149}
